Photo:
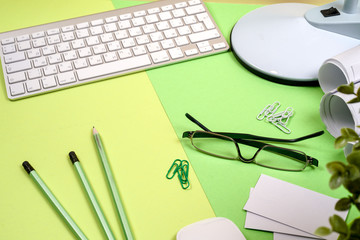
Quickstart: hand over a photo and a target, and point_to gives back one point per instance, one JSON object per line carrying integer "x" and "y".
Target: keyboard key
{"x": 24, "y": 45}
{"x": 18, "y": 66}
{"x": 114, "y": 67}
{"x": 82, "y": 25}
{"x": 80, "y": 63}
{"x": 181, "y": 5}
{"x": 33, "y": 85}
{"x": 49, "y": 82}
{"x": 34, "y": 73}
{"x": 140, "y": 50}
{"x": 217, "y": 46}
{"x": 50, "y": 70}
{"x": 97, "y": 22}
{"x": 194, "y": 2}
{"x": 17, "y": 89}
{"x": 154, "y": 10}
{"x": 38, "y": 34}
{"x": 68, "y": 28}
{"x": 191, "y": 52}
{"x": 202, "y": 36}
{"x": 14, "y": 57}
{"x": 125, "y": 16}
{"x": 152, "y": 18}
{"x": 181, "y": 41}
{"x": 95, "y": 60}
{"x": 167, "y": 8}
{"x": 9, "y": 49}
{"x": 110, "y": 57}
{"x": 111, "y": 19}
{"x": 65, "y": 67}
{"x": 195, "y": 9}
{"x": 33, "y": 53}
{"x": 16, "y": 77}
{"x": 7, "y": 41}
{"x": 125, "y": 53}
{"x": 66, "y": 78}
{"x": 160, "y": 56}
{"x": 23, "y": 38}
{"x": 53, "y": 31}
{"x": 40, "y": 62}
{"x": 56, "y": 58}
{"x": 176, "y": 53}
{"x": 139, "y": 13}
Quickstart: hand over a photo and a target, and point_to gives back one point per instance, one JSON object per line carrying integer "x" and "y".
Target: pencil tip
{"x": 94, "y": 130}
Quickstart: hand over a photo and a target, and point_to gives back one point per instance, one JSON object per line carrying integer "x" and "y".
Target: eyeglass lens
{"x": 268, "y": 156}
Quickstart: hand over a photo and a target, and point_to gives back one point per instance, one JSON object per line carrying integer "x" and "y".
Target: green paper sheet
{"x": 138, "y": 138}
{"x": 223, "y": 95}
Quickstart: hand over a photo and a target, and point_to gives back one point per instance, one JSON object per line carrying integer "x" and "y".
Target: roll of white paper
{"x": 336, "y": 113}
{"x": 341, "y": 69}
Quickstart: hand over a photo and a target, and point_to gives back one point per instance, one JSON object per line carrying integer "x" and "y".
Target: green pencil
{"x": 101, "y": 217}
{"x": 56, "y": 204}
{"x": 112, "y": 185}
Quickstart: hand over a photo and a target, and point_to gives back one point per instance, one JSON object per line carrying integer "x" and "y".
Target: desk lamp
{"x": 288, "y": 42}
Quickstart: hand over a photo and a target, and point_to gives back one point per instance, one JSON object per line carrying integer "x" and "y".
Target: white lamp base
{"x": 277, "y": 43}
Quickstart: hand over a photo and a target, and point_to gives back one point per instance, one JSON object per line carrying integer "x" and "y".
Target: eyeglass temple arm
{"x": 237, "y": 136}
{"x": 284, "y": 151}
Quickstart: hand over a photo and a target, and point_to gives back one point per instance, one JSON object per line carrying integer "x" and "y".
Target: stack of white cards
{"x": 290, "y": 211}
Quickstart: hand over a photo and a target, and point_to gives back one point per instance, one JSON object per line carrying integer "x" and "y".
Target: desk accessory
{"x": 181, "y": 168}
{"x": 76, "y": 51}
{"x": 211, "y": 229}
{"x": 283, "y": 198}
{"x": 339, "y": 79}
{"x": 226, "y": 145}
{"x": 281, "y": 43}
{"x": 280, "y": 119}
{"x": 112, "y": 185}
{"x": 94, "y": 202}
{"x": 55, "y": 203}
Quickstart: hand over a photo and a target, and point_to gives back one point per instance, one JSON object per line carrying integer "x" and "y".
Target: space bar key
{"x": 113, "y": 67}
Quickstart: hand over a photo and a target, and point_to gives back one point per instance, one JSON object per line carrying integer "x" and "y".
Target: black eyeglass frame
{"x": 250, "y": 140}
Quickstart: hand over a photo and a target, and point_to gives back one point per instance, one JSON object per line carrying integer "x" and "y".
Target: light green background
{"x": 216, "y": 90}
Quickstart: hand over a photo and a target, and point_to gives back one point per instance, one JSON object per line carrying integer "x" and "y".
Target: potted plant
{"x": 347, "y": 175}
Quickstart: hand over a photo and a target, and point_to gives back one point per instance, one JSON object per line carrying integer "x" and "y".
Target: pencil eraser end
{"x": 27, "y": 166}
{"x": 73, "y": 157}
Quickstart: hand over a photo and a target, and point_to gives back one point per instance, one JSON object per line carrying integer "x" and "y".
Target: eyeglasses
{"x": 227, "y": 145}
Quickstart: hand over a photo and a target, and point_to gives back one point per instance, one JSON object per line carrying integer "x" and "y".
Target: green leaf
{"x": 340, "y": 142}
{"x": 349, "y": 134}
{"x": 354, "y": 100}
{"x": 354, "y": 158}
{"x": 353, "y": 186}
{"x": 336, "y": 180}
{"x": 343, "y": 204}
{"x": 336, "y": 167}
{"x": 355, "y": 226}
{"x": 338, "y": 224}
{"x": 358, "y": 92}
{"x": 323, "y": 231}
{"x": 347, "y": 89}
{"x": 352, "y": 172}
{"x": 356, "y": 146}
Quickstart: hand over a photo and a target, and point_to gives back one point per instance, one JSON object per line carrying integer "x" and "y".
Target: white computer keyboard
{"x": 62, "y": 54}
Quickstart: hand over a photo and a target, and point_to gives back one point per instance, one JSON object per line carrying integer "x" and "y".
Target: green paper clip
{"x": 181, "y": 167}
{"x": 174, "y": 168}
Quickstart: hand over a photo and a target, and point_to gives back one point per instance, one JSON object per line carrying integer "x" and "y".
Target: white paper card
{"x": 255, "y": 221}
{"x": 281, "y": 236}
{"x": 292, "y": 205}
